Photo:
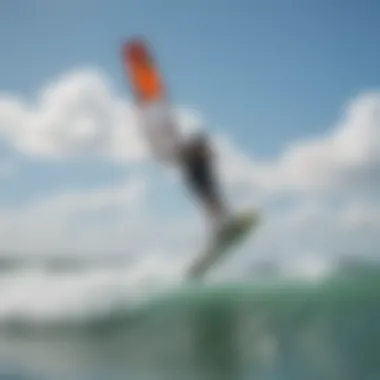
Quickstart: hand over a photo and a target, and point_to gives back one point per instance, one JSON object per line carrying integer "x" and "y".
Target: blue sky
{"x": 267, "y": 73}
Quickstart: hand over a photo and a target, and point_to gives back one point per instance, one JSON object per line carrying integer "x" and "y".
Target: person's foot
{"x": 219, "y": 221}
{"x": 221, "y": 229}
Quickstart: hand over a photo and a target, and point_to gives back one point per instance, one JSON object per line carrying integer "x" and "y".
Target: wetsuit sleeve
{"x": 161, "y": 133}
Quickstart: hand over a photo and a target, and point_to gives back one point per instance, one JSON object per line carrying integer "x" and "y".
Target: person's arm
{"x": 160, "y": 132}
{"x": 164, "y": 143}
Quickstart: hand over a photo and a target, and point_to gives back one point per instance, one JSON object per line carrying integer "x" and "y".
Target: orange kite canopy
{"x": 143, "y": 72}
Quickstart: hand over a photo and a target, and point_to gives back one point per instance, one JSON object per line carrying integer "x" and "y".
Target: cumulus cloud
{"x": 329, "y": 182}
{"x": 346, "y": 157}
{"x": 63, "y": 222}
{"x": 319, "y": 196}
{"x": 78, "y": 114}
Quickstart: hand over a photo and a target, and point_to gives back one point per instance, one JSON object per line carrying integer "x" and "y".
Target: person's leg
{"x": 211, "y": 199}
{"x": 206, "y": 189}
{"x": 198, "y": 167}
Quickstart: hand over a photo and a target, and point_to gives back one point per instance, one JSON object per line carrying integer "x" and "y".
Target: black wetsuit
{"x": 199, "y": 171}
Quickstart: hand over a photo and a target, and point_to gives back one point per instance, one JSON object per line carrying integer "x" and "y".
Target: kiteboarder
{"x": 192, "y": 155}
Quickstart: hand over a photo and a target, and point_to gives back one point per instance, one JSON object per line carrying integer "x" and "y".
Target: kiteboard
{"x": 235, "y": 231}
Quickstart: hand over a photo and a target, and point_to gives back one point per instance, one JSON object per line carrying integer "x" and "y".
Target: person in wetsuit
{"x": 194, "y": 158}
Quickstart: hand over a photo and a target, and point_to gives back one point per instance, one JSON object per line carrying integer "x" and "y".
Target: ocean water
{"x": 80, "y": 325}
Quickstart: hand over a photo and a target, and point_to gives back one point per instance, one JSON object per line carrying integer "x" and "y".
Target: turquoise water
{"x": 275, "y": 330}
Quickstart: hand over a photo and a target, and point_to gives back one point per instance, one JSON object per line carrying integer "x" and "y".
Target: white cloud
{"x": 347, "y": 156}
{"x": 80, "y": 114}
{"x": 51, "y": 224}
{"x": 319, "y": 196}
